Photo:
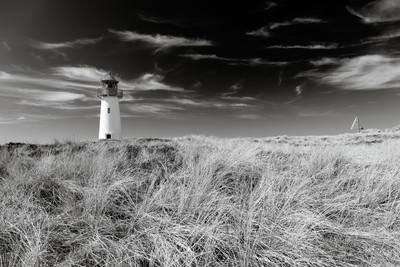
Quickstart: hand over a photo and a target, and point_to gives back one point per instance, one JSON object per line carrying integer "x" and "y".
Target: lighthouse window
{"x": 108, "y": 110}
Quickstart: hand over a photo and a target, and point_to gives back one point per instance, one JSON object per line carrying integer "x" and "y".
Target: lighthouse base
{"x": 110, "y": 120}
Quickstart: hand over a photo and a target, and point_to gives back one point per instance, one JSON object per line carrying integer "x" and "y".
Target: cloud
{"x": 81, "y": 73}
{"x": 183, "y": 22}
{"x": 269, "y": 5}
{"x": 158, "y": 40}
{"x": 150, "y": 81}
{"x": 276, "y": 25}
{"x": 4, "y": 75}
{"x": 308, "y": 114}
{"x": 386, "y": 36}
{"x": 198, "y": 103}
{"x": 307, "y": 20}
{"x": 295, "y": 21}
{"x": 309, "y": 47}
{"x": 12, "y": 119}
{"x": 70, "y": 44}
{"x": 228, "y": 104}
{"x": 261, "y": 32}
{"x": 238, "y": 98}
{"x": 325, "y": 61}
{"x": 178, "y": 107}
{"x": 265, "y": 31}
{"x": 201, "y": 57}
{"x": 249, "y": 116}
{"x": 151, "y": 109}
{"x": 234, "y": 89}
{"x": 5, "y": 45}
{"x": 299, "y": 90}
{"x": 73, "y": 89}
{"x": 29, "y": 80}
{"x": 233, "y": 95}
{"x": 85, "y": 74}
{"x": 235, "y": 61}
{"x": 154, "y": 19}
{"x": 369, "y": 72}
{"x": 377, "y": 11}
{"x": 68, "y": 87}
{"x": 59, "y": 96}
{"x": 280, "y": 78}
{"x": 56, "y": 90}
{"x": 36, "y": 90}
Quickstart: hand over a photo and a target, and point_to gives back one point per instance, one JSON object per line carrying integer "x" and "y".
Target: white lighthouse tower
{"x": 110, "y": 120}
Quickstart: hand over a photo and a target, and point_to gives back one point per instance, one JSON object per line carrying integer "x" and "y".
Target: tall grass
{"x": 198, "y": 201}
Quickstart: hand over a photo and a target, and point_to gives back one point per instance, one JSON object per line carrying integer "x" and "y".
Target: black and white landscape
{"x": 199, "y": 133}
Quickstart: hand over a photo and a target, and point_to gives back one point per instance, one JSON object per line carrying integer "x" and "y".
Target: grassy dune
{"x": 197, "y": 201}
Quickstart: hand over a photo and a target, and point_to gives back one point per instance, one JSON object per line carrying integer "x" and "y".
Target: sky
{"x": 227, "y": 69}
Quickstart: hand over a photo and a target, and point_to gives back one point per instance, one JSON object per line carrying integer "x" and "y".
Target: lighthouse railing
{"x": 110, "y": 92}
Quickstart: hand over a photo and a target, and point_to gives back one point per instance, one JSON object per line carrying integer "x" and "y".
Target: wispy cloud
{"x": 12, "y": 119}
{"x": 308, "y": 20}
{"x": 201, "y": 57}
{"x": 309, "y": 47}
{"x": 67, "y": 91}
{"x": 228, "y": 104}
{"x": 85, "y": 74}
{"x": 276, "y": 25}
{"x": 308, "y": 114}
{"x": 248, "y": 116}
{"x": 51, "y": 96}
{"x": 150, "y": 81}
{"x": 5, "y": 46}
{"x": 179, "y": 21}
{"x": 235, "y": 61}
{"x": 269, "y": 5}
{"x": 61, "y": 45}
{"x": 30, "y": 80}
{"x": 325, "y": 61}
{"x": 377, "y": 11}
{"x": 82, "y": 73}
{"x": 299, "y": 90}
{"x": 234, "y": 89}
{"x": 280, "y": 78}
{"x": 197, "y": 103}
{"x": 369, "y": 72}
{"x": 261, "y": 32}
{"x": 68, "y": 87}
{"x": 160, "y": 41}
{"x": 385, "y": 36}
{"x": 265, "y": 31}
{"x": 140, "y": 109}
{"x": 37, "y": 90}
{"x": 154, "y": 19}
{"x": 179, "y": 107}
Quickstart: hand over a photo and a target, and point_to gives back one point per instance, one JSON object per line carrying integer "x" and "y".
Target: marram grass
{"x": 198, "y": 201}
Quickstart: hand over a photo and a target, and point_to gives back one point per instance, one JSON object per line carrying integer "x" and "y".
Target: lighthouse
{"x": 110, "y": 120}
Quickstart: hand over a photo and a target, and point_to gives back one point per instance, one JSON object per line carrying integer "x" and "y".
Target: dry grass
{"x": 198, "y": 201}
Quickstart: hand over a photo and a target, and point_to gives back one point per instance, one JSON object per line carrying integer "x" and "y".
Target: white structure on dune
{"x": 357, "y": 125}
{"x": 110, "y": 120}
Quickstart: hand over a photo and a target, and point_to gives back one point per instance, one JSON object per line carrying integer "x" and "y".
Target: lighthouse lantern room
{"x": 110, "y": 120}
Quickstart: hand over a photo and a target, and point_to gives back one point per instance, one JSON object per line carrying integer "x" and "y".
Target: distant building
{"x": 110, "y": 119}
